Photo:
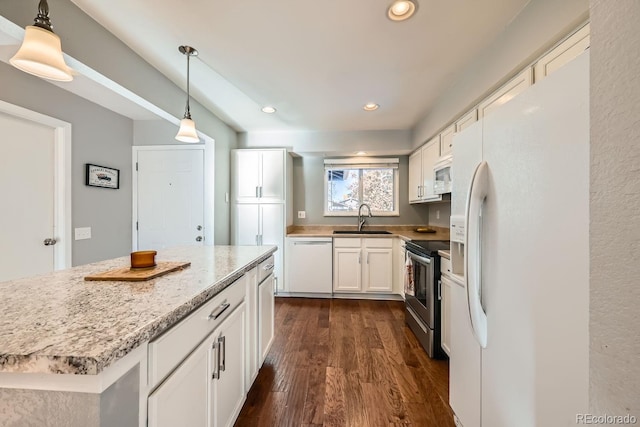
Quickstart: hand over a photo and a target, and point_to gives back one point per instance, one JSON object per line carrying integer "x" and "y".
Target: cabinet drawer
{"x": 378, "y": 243}
{"x": 346, "y": 242}
{"x": 445, "y": 266}
{"x": 265, "y": 268}
{"x": 169, "y": 349}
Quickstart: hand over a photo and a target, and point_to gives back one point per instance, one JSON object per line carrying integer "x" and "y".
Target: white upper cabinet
{"x": 446, "y": 140}
{"x": 415, "y": 176}
{"x": 467, "y": 120}
{"x": 258, "y": 175}
{"x": 421, "y": 174}
{"x": 507, "y": 92}
{"x": 430, "y": 156}
{"x": 566, "y": 51}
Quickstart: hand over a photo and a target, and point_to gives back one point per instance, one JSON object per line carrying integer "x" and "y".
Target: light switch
{"x": 302, "y": 214}
{"x": 83, "y": 233}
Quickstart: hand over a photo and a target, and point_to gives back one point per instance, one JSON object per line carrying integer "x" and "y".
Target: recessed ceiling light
{"x": 401, "y": 10}
{"x": 268, "y": 109}
{"x": 371, "y": 106}
{"x": 361, "y": 153}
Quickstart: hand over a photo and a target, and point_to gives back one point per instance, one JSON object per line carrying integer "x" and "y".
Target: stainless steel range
{"x": 422, "y": 293}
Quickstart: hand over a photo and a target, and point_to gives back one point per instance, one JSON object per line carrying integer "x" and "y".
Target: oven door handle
{"x": 419, "y": 258}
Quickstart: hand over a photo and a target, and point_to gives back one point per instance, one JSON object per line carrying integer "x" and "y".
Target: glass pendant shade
{"x": 187, "y": 131}
{"x": 41, "y": 55}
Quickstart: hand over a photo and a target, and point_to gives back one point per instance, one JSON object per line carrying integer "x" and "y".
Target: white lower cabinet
{"x": 266, "y": 311}
{"x": 227, "y": 387}
{"x": 183, "y": 399}
{"x": 363, "y": 265}
{"x": 208, "y": 388}
{"x": 201, "y": 369}
{"x": 445, "y": 315}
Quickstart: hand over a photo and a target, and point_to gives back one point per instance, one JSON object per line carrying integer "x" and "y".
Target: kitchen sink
{"x": 361, "y": 232}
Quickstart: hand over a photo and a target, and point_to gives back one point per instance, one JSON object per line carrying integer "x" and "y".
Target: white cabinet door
{"x": 562, "y": 54}
{"x": 446, "y": 140}
{"x": 246, "y": 169}
{"x": 266, "y": 309}
{"x": 430, "y": 156}
{"x": 272, "y": 233}
{"x": 347, "y": 264}
{"x": 252, "y": 341}
{"x": 247, "y": 224}
{"x": 228, "y": 357}
{"x": 401, "y": 260}
{"x": 182, "y": 400}
{"x": 467, "y": 120}
{"x": 507, "y": 92}
{"x": 378, "y": 270}
{"x": 309, "y": 265}
{"x": 445, "y": 315}
{"x": 273, "y": 176}
{"x": 415, "y": 176}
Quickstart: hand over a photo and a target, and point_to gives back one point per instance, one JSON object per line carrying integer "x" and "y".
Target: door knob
{"x": 199, "y": 228}
{"x": 50, "y": 242}
{"x": 199, "y": 239}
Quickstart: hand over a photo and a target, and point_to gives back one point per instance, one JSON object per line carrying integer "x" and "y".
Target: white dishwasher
{"x": 309, "y": 265}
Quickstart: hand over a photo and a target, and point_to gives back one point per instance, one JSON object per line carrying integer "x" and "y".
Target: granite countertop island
{"x": 59, "y": 323}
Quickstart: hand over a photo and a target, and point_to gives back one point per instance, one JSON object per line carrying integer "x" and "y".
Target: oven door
{"x": 424, "y": 299}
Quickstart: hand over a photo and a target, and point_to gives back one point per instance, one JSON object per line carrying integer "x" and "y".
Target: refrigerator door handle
{"x": 473, "y": 252}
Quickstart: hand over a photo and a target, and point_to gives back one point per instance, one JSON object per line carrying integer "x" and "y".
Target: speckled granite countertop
{"x": 405, "y": 232}
{"x": 60, "y": 323}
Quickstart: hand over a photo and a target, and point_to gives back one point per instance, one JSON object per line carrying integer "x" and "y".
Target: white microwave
{"x": 442, "y": 175}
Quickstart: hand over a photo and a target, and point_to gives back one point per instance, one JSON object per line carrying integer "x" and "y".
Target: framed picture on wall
{"x": 101, "y": 176}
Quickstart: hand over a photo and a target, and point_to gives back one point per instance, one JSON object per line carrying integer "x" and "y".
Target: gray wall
{"x": 90, "y": 43}
{"x": 615, "y": 203}
{"x": 99, "y": 136}
{"x": 531, "y": 33}
{"x": 308, "y": 191}
{"x": 160, "y": 132}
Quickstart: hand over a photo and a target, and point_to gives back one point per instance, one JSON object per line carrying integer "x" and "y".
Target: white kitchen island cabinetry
{"x": 363, "y": 265}
{"x": 168, "y": 352}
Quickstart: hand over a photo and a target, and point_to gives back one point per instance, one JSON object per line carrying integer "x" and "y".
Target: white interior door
{"x": 170, "y": 197}
{"x": 27, "y": 187}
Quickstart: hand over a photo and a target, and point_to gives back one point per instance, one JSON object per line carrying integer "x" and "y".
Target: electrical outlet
{"x": 302, "y": 214}
{"x": 83, "y": 233}
{"x": 437, "y": 213}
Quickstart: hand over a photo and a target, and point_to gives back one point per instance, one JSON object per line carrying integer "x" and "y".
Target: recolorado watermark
{"x": 605, "y": 419}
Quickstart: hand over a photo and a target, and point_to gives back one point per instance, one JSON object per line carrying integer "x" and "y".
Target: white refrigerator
{"x": 519, "y": 325}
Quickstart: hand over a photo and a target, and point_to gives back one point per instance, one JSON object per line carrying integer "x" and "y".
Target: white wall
{"x": 615, "y": 206}
{"x": 533, "y": 31}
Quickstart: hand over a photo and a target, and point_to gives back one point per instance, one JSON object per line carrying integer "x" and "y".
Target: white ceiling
{"x": 317, "y": 62}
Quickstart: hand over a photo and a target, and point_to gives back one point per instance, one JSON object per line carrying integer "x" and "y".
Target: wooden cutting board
{"x": 127, "y": 274}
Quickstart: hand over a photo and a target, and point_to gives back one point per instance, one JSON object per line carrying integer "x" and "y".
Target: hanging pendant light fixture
{"x": 41, "y": 52}
{"x": 187, "y": 131}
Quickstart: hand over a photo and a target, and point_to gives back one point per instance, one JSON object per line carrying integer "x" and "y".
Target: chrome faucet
{"x": 362, "y": 220}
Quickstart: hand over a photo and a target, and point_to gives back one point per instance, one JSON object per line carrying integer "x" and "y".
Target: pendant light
{"x": 187, "y": 131}
{"x": 41, "y": 53}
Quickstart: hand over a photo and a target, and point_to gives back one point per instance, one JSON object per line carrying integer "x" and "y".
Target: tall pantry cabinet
{"x": 261, "y": 194}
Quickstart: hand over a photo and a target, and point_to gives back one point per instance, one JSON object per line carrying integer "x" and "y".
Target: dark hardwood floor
{"x": 352, "y": 363}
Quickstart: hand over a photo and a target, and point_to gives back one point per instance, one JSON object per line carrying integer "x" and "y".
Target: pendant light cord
{"x": 187, "y": 112}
